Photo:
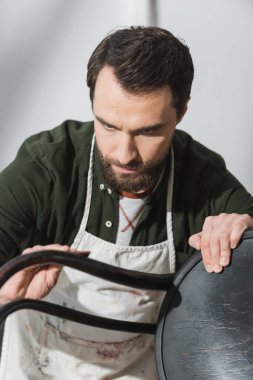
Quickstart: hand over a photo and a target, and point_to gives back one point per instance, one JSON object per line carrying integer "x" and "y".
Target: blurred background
{"x": 45, "y": 46}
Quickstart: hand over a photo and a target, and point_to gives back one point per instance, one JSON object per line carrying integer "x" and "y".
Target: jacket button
{"x": 108, "y": 223}
{"x": 101, "y": 186}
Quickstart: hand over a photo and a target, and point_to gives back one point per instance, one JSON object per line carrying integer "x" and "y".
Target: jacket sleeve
{"x": 231, "y": 197}
{"x": 203, "y": 187}
{"x": 23, "y": 198}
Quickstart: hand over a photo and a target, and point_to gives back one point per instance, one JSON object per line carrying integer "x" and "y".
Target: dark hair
{"x": 145, "y": 59}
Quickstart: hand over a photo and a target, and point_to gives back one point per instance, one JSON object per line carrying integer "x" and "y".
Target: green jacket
{"x": 42, "y": 193}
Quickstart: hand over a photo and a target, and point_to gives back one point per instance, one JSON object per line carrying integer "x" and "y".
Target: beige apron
{"x": 37, "y": 346}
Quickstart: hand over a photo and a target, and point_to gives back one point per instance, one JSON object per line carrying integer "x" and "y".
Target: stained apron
{"x": 37, "y": 346}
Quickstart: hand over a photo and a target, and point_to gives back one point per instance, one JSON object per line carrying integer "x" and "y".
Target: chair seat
{"x": 205, "y": 327}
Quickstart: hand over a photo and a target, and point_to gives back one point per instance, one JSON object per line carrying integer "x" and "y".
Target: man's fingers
{"x": 215, "y": 250}
{"x": 195, "y": 241}
{"x": 219, "y": 235}
{"x": 242, "y": 223}
{"x": 215, "y": 244}
{"x": 54, "y": 269}
{"x": 205, "y": 244}
{"x": 54, "y": 247}
{"x": 37, "y": 280}
{"x": 225, "y": 249}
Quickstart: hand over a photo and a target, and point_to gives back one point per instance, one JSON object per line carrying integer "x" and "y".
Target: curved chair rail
{"x": 108, "y": 272}
{"x": 96, "y": 268}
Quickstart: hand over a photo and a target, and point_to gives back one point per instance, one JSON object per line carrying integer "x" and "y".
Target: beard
{"x": 146, "y": 178}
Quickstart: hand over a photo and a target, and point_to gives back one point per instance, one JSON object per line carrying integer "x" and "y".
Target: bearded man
{"x": 129, "y": 188}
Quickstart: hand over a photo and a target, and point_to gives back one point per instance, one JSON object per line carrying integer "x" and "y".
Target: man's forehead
{"x": 123, "y": 109}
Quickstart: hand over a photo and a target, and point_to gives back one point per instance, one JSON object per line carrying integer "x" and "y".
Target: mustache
{"x": 135, "y": 164}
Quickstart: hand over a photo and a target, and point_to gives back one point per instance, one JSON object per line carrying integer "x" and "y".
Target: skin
{"x": 219, "y": 235}
{"x": 140, "y": 126}
{"x": 35, "y": 281}
{"x": 131, "y": 127}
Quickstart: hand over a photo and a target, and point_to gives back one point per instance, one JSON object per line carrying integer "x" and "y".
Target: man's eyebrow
{"x": 153, "y": 127}
{"x": 102, "y": 121}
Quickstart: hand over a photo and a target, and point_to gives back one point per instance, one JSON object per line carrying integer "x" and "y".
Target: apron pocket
{"x": 72, "y": 357}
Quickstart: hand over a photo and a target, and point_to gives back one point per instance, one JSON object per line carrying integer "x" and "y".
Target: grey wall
{"x": 219, "y": 33}
{"x": 44, "y": 49}
{"x": 45, "y": 45}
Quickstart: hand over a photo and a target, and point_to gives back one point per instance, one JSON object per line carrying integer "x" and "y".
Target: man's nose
{"x": 127, "y": 150}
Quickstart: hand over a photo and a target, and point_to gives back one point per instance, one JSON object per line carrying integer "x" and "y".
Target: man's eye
{"x": 108, "y": 127}
{"x": 148, "y": 131}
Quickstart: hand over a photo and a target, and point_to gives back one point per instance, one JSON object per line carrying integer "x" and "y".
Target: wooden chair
{"x": 205, "y": 325}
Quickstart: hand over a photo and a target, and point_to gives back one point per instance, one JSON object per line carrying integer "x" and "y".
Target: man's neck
{"x": 139, "y": 194}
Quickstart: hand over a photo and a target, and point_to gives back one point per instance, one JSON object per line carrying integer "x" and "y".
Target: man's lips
{"x": 120, "y": 170}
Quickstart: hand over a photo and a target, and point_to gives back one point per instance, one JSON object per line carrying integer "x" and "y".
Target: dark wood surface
{"x": 205, "y": 330}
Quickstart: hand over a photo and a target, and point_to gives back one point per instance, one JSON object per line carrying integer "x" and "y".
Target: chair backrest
{"x": 85, "y": 264}
{"x": 205, "y": 327}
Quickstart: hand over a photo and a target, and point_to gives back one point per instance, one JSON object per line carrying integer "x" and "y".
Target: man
{"x": 132, "y": 195}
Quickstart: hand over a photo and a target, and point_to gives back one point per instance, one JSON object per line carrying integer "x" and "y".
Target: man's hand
{"x": 219, "y": 235}
{"x": 35, "y": 281}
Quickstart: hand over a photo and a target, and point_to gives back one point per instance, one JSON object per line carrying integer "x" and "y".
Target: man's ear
{"x": 183, "y": 111}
